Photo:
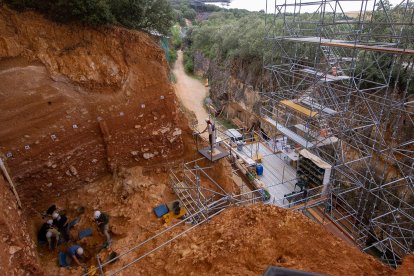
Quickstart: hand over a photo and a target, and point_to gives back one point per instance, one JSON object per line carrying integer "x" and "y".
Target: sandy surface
{"x": 190, "y": 91}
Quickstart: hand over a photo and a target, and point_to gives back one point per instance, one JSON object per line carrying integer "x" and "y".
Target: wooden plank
{"x": 299, "y": 108}
{"x": 398, "y": 51}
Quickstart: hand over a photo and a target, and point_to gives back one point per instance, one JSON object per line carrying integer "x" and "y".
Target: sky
{"x": 257, "y": 5}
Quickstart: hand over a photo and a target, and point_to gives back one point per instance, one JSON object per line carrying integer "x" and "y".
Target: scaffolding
{"x": 341, "y": 87}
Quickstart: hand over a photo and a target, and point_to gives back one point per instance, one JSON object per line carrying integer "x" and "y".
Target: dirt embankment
{"x": 407, "y": 267}
{"x": 17, "y": 248}
{"x": 246, "y": 240}
{"x": 78, "y": 103}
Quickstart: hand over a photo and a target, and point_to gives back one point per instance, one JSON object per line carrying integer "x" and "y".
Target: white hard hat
{"x": 207, "y": 119}
{"x": 97, "y": 214}
{"x": 79, "y": 251}
{"x": 49, "y": 234}
{"x": 55, "y": 215}
{"x": 50, "y": 222}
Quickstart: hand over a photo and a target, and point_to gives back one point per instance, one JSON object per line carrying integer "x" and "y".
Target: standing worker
{"x": 102, "y": 220}
{"x": 41, "y": 234}
{"x": 211, "y": 128}
{"x": 52, "y": 233}
{"x": 61, "y": 222}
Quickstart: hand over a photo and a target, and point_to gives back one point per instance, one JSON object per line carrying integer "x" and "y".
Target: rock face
{"x": 71, "y": 94}
{"x": 17, "y": 251}
{"x": 234, "y": 85}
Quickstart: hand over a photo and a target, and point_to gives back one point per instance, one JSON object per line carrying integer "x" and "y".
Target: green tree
{"x": 150, "y": 15}
{"x": 91, "y": 12}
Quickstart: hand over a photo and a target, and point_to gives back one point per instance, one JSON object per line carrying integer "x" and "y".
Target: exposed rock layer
{"x": 77, "y": 101}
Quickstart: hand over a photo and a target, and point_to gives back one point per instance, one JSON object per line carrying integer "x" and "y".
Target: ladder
{"x": 332, "y": 59}
{"x": 189, "y": 201}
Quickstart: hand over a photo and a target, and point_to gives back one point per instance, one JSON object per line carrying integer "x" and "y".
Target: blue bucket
{"x": 259, "y": 169}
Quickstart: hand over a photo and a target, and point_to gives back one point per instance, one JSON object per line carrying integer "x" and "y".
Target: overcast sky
{"x": 257, "y": 5}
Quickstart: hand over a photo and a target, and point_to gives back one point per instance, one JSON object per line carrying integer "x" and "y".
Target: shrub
{"x": 151, "y": 15}
{"x": 188, "y": 63}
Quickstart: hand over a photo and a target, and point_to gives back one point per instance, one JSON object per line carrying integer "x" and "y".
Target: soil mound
{"x": 246, "y": 240}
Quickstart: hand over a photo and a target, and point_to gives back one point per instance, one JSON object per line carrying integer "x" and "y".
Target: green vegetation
{"x": 183, "y": 10}
{"x": 239, "y": 35}
{"x": 150, "y": 15}
{"x": 226, "y": 123}
{"x": 176, "y": 39}
{"x": 188, "y": 62}
{"x": 230, "y": 34}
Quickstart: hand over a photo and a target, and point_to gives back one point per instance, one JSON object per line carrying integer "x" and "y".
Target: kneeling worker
{"x": 76, "y": 252}
{"x": 102, "y": 220}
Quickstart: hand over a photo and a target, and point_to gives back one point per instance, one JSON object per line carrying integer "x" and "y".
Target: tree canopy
{"x": 150, "y": 15}
{"x": 230, "y": 34}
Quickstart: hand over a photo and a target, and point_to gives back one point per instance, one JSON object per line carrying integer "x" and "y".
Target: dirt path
{"x": 190, "y": 91}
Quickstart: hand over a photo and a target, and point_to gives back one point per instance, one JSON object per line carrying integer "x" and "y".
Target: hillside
{"x": 68, "y": 90}
{"x": 90, "y": 121}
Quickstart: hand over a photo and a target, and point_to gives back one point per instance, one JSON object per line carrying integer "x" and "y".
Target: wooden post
{"x": 6, "y": 174}
{"x": 112, "y": 167}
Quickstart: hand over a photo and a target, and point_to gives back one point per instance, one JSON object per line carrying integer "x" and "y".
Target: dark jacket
{"x": 41, "y": 235}
{"x": 60, "y": 223}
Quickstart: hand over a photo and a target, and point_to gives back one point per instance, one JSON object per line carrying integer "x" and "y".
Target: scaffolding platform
{"x": 309, "y": 101}
{"x": 380, "y": 47}
{"x": 218, "y": 153}
{"x": 278, "y": 176}
{"x": 324, "y": 77}
{"x": 290, "y": 134}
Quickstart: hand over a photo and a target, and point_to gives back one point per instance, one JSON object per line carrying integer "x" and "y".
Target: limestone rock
{"x": 177, "y": 132}
{"x": 148, "y": 155}
{"x": 13, "y": 249}
{"x": 73, "y": 170}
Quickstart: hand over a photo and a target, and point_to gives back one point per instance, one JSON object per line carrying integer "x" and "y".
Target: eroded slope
{"x": 78, "y": 103}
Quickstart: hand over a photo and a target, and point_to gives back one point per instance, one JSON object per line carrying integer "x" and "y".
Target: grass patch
{"x": 199, "y": 78}
{"x": 226, "y": 123}
{"x": 172, "y": 77}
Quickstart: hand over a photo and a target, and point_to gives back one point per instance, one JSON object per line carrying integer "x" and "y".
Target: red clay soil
{"x": 240, "y": 241}
{"x": 407, "y": 267}
{"x": 245, "y": 240}
{"x": 78, "y": 103}
{"x": 17, "y": 250}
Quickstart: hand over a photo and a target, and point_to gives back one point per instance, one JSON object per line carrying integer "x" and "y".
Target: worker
{"x": 52, "y": 233}
{"x": 102, "y": 221}
{"x": 211, "y": 128}
{"x": 41, "y": 234}
{"x": 61, "y": 222}
{"x": 76, "y": 252}
{"x": 49, "y": 211}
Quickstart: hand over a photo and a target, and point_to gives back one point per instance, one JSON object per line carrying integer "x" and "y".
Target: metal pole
{"x": 99, "y": 265}
{"x": 6, "y": 174}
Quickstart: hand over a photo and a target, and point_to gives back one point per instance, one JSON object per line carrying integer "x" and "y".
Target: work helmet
{"x": 79, "y": 251}
{"x": 49, "y": 234}
{"x": 97, "y": 214}
{"x": 50, "y": 222}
